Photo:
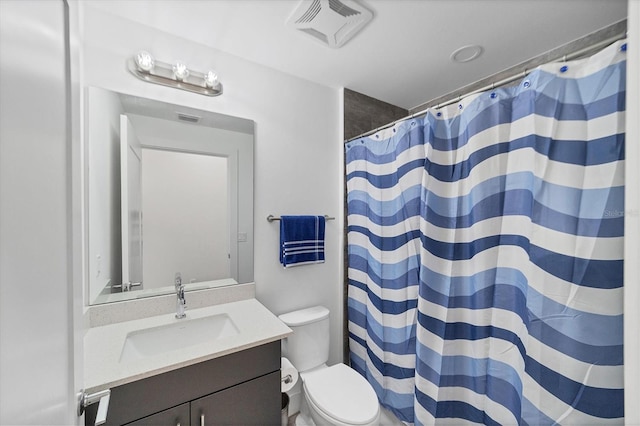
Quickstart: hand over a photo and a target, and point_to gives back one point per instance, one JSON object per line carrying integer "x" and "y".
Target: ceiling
{"x": 400, "y": 57}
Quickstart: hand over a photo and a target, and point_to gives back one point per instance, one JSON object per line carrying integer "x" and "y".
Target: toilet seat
{"x": 342, "y": 394}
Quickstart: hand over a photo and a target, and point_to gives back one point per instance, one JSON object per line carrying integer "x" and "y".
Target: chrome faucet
{"x": 181, "y": 303}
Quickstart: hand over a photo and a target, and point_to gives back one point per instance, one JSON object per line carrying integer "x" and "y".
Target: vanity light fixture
{"x": 178, "y": 75}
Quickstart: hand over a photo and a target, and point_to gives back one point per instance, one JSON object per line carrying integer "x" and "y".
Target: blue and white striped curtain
{"x": 384, "y": 190}
{"x": 485, "y": 253}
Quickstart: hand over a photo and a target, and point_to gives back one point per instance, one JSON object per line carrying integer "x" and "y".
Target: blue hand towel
{"x": 301, "y": 240}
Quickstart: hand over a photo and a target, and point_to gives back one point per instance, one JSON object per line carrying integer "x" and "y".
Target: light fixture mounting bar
{"x": 162, "y": 73}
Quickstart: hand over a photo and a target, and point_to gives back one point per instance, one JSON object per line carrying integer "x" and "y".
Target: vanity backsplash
{"x": 111, "y": 313}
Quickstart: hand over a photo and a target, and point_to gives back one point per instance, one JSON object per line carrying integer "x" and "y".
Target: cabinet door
{"x": 256, "y": 402}
{"x": 176, "y": 416}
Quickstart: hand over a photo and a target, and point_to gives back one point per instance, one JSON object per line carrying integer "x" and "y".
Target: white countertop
{"x": 103, "y": 345}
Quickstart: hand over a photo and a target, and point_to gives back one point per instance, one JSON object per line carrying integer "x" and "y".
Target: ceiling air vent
{"x": 333, "y": 22}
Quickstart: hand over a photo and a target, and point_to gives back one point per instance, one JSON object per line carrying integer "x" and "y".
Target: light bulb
{"x": 211, "y": 79}
{"x": 180, "y": 71}
{"x": 145, "y": 61}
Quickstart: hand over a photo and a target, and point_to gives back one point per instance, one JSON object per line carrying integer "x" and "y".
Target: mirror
{"x": 169, "y": 190}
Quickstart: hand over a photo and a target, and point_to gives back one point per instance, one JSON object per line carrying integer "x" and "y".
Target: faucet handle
{"x": 178, "y": 280}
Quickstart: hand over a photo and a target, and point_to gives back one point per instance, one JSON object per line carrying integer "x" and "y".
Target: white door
{"x": 131, "y": 203}
{"x": 40, "y": 341}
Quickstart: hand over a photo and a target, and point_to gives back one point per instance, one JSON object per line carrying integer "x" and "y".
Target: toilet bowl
{"x": 339, "y": 396}
{"x": 333, "y": 395}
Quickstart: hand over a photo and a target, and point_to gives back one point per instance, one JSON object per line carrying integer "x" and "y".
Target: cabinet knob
{"x": 201, "y": 419}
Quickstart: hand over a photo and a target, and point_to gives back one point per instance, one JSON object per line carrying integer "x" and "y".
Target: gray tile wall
{"x": 363, "y": 113}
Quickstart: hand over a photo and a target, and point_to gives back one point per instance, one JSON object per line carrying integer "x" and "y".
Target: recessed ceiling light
{"x": 467, "y": 53}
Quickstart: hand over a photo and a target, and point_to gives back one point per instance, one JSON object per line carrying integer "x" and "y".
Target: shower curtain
{"x": 485, "y": 253}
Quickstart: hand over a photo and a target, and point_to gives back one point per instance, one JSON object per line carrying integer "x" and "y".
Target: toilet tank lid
{"x": 304, "y": 316}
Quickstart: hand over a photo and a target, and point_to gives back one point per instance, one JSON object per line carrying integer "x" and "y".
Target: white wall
{"x": 103, "y": 158}
{"x": 298, "y": 149}
{"x": 36, "y": 271}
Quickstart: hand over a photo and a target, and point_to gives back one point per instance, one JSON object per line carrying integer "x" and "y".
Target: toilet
{"x": 333, "y": 395}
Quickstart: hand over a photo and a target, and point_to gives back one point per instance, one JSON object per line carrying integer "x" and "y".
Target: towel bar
{"x": 271, "y": 218}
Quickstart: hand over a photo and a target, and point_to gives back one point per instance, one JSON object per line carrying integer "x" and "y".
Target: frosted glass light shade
{"x": 180, "y": 71}
{"x": 211, "y": 79}
{"x": 145, "y": 61}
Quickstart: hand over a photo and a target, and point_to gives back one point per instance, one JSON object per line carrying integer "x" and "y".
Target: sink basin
{"x": 178, "y": 335}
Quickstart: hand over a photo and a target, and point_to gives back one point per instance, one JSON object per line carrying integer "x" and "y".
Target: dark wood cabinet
{"x": 244, "y": 404}
{"x": 176, "y": 416}
{"x": 239, "y": 388}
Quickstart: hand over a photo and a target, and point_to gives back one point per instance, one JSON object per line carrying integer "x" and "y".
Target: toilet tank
{"x": 308, "y": 346}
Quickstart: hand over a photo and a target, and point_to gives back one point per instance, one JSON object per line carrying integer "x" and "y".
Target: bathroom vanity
{"x": 228, "y": 374}
{"x": 240, "y": 388}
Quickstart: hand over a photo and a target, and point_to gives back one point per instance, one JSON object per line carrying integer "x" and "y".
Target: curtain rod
{"x": 502, "y": 82}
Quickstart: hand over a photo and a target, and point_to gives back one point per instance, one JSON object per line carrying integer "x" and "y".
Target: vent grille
{"x": 310, "y": 14}
{"x": 188, "y": 117}
{"x": 317, "y": 34}
{"x": 332, "y": 22}
{"x": 342, "y": 9}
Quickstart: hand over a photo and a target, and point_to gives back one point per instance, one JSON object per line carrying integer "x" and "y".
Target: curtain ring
{"x": 564, "y": 58}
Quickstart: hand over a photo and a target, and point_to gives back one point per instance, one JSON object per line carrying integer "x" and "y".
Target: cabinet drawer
{"x": 256, "y": 402}
{"x": 176, "y": 416}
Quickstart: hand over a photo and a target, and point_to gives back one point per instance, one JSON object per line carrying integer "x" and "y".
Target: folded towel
{"x": 301, "y": 240}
